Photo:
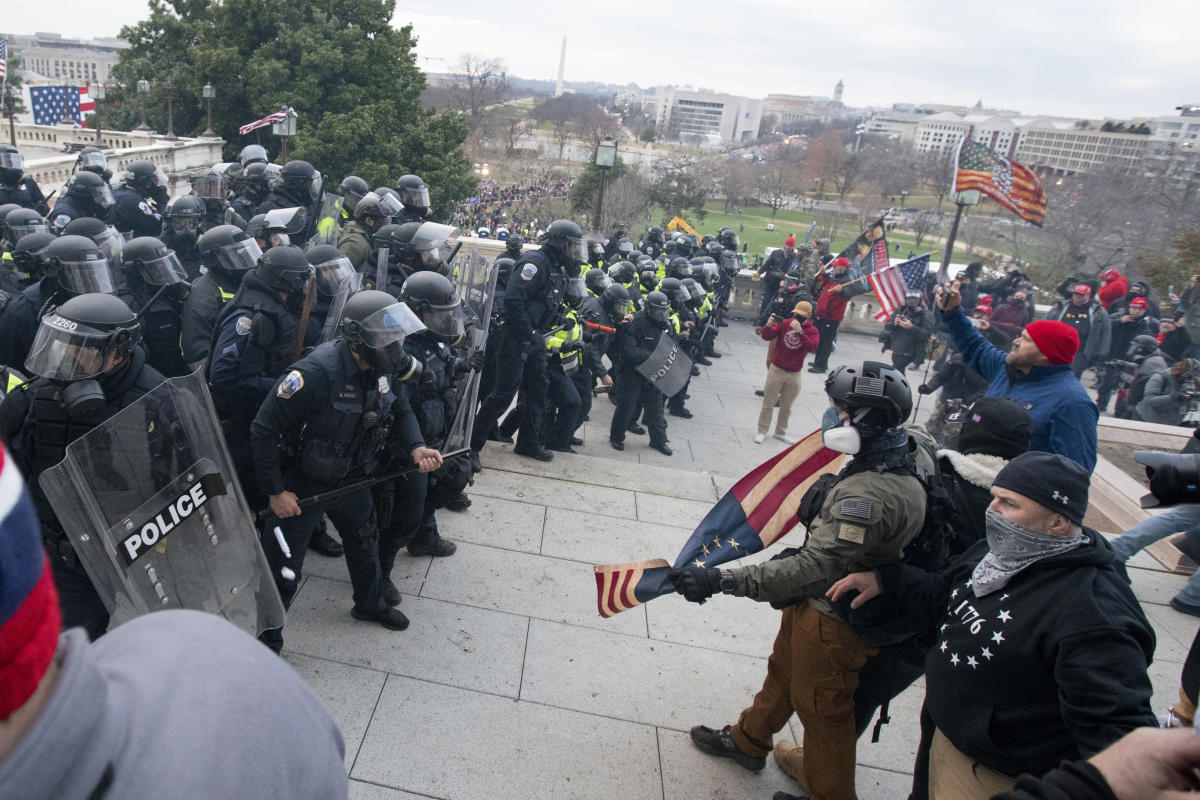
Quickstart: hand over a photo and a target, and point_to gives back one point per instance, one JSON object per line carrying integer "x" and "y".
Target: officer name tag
{"x": 852, "y": 533}
{"x": 157, "y": 527}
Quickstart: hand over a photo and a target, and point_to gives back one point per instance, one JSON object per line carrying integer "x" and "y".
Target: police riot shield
{"x": 475, "y": 282}
{"x": 155, "y": 513}
{"x": 329, "y": 217}
{"x": 668, "y": 367}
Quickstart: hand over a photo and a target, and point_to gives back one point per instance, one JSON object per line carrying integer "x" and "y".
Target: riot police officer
{"x": 256, "y": 339}
{"x": 252, "y": 154}
{"x": 139, "y": 201}
{"x": 637, "y": 340}
{"x": 563, "y": 371}
{"x": 155, "y": 287}
{"x": 86, "y": 195}
{"x": 89, "y": 366}
{"x": 73, "y": 266}
{"x": 532, "y": 306}
{"x": 227, "y": 253}
{"x": 412, "y": 247}
{"x": 608, "y": 310}
{"x": 414, "y": 196}
{"x": 352, "y": 188}
{"x": 103, "y": 235}
{"x": 514, "y": 245}
{"x": 182, "y": 219}
{"x": 24, "y": 265}
{"x": 299, "y": 186}
{"x": 255, "y": 190}
{"x": 652, "y": 242}
{"x": 15, "y": 185}
{"x": 18, "y": 223}
{"x": 338, "y": 415}
{"x": 336, "y": 281}
{"x": 371, "y": 213}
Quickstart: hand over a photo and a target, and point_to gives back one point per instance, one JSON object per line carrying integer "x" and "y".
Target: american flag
{"x": 86, "y": 104}
{"x": 49, "y": 102}
{"x": 278, "y": 116}
{"x": 3, "y": 59}
{"x": 890, "y": 283}
{"x": 1008, "y": 183}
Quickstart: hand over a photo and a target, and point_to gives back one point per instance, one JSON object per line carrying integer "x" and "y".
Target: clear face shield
{"x": 432, "y": 243}
{"x": 11, "y": 159}
{"x": 251, "y": 153}
{"x": 416, "y": 196}
{"x": 446, "y": 322}
{"x": 210, "y": 186}
{"x": 695, "y": 291}
{"x": 102, "y": 196}
{"x": 680, "y": 295}
{"x": 239, "y": 256}
{"x": 69, "y": 351}
{"x": 187, "y": 224}
{"x": 335, "y": 276}
{"x": 93, "y": 161}
{"x": 273, "y": 175}
{"x": 290, "y": 221}
{"x": 112, "y": 244}
{"x": 575, "y": 292}
{"x": 316, "y": 187}
{"x": 92, "y": 274}
{"x": 24, "y": 229}
{"x": 575, "y": 250}
{"x": 656, "y": 313}
{"x": 164, "y": 270}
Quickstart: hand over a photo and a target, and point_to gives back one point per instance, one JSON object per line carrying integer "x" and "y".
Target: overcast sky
{"x": 1099, "y": 58}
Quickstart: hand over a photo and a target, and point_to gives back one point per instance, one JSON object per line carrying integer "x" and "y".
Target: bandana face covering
{"x": 1011, "y": 548}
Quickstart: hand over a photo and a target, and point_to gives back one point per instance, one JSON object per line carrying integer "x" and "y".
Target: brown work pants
{"x": 812, "y": 671}
{"x": 953, "y": 775}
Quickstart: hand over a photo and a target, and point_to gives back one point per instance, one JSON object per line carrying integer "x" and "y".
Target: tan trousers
{"x": 783, "y": 386}
{"x": 956, "y": 776}
{"x": 812, "y": 671}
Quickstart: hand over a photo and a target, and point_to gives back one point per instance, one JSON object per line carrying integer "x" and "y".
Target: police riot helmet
{"x": 12, "y": 165}
{"x": 104, "y": 236}
{"x": 7, "y": 209}
{"x": 284, "y": 269}
{"x": 419, "y": 245}
{"x": 596, "y": 281}
{"x": 874, "y": 394}
{"x": 657, "y": 307}
{"x": 334, "y": 271}
{"x": 90, "y": 188}
{"x": 714, "y": 249}
{"x": 1142, "y": 345}
{"x": 413, "y": 192}
{"x": 616, "y": 298}
{"x": 142, "y": 176}
{"x": 504, "y": 266}
{"x": 574, "y": 292}
{"x": 674, "y": 289}
{"x": 694, "y": 289}
{"x": 654, "y": 233}
{"x": 150, "y": 259}
{"x": 625, "y": 246}
{"x": 22, "y": 222}
{"x": 623, "y": 272}
{"x": 513, "y": 245}
{"x": 376, "y": 209}
{"x": 376, "y": 324}
{"x": 563, "y": 240}
{"x": 729, "y": 239}
{"x": 679, "y": 267}
{"x": 78, "y": 265}
{"x": 648, "y": 277}
{"x": 28, "y": 254}
{"x": 352, "y": 188}
{"x": 302, "y": 179}
{"x": 93, "y": 160}
{"x": 252, "y": 154}
{"x": 431, "y": 297}
{"x": 83, "y": 338}
{"x": 255, "y": 181}
{"x": 229, "y": 249}
{"x": 708, "y": 274}
{"x": 671, "y": 248}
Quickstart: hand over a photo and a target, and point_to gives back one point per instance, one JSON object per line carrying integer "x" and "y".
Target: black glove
{"x": 568, "y": 324}
{"x": 1178, "y": 397}
{"x": 696, "y": 584}
{"x": 571, "y": 347}
{"x": 924, "y": 389}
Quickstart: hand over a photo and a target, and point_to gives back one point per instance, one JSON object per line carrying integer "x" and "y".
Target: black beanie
{"x": 995, "y": 426}
{"x": 1050, "y": 480}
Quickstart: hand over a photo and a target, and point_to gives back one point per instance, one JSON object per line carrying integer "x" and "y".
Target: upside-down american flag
{"x": 1008, "y": 183}
{"x": 753, "y": 515}
{"x": 278, "y": 116}
{"x": 890, "y": 283}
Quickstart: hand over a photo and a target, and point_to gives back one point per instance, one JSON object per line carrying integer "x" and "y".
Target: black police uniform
{"x": 210, "y": 292}
{"x": 68, "y": 208}
{"x": 161, "y": 325}
{"x": 186, "y": 250}
{"x": 637, "y": 340}
{"x": 532, "y": 303}
{"x": 24, "y": 193}
{"x": 246, "y": 205}
{"x": 37, "y": 428}
{"x": 596, "y": 345}
{"x": 18, "y": 326}
{"x": 280, "y": 197}
{"x": 133, "y": 213}
{"x": 336, "y": 421}
{"x": 408, "y": 215}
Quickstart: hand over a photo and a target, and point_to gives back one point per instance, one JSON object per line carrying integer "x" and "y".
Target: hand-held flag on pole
{"x": 1008, "y": 183}
{"x": 891, "y": 283}
{"x": 754, "y": 514}
{"x": 278, "y": 116}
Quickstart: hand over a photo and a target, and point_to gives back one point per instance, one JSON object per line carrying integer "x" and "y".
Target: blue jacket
{"x": 1064, "y": 415}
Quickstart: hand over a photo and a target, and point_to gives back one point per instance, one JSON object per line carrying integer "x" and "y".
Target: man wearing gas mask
{"x": 412, "y": 247}
{"x": 155, "y": 287}
{"x": 85, "y": 195}
{"x": 861, "y": 519}
{"x": 340, "y": 415}
{"x": 182, "y": 220}
{"x": 88, "y": 366}
{"x": 140, "y": 200}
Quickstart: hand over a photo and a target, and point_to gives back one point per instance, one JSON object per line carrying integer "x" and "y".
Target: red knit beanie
{"x": 789, "y": 241}
{"x": 1057, "y": 341}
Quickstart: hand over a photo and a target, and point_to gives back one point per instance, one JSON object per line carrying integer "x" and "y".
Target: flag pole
{"x": 944, "y": 270}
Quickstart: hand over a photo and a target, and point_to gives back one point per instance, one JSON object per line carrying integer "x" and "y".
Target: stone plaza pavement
{"x": 509, "y": 685}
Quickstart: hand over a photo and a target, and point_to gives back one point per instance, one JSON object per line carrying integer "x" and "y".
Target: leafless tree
{"x": 921, "y": 225}
{"x": 936, "y": 172}
{"x": 736, "y": 178}
{"x": 478, "y": 83}
{"x": 778, "y": 178}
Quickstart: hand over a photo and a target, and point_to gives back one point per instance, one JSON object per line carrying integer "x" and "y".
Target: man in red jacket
{"x": 836, "y": 291}
{"x": 1115, "y": 286}
{"x": 794, "y": 339}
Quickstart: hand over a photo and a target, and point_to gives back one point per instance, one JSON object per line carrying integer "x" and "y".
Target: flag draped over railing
{"x": 1008, "y": 183}
{"x": 278, "y": 116}
{"x": 754, "y": 514}
{"x": 891, "y": 283}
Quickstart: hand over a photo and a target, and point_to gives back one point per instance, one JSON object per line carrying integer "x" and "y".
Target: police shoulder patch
{"x": 61, "y": 221}
{"x": 528, "y": 271}
{"x": 384, "y": 385}
{"x": 244, "y": 324}
{"x": 291, "y": 383}
{"x": 145, "y": 208}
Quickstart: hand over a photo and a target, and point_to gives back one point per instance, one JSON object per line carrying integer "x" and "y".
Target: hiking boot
{"x": 390, "y": 618}
{"x": 790, "y": 760}
{"x": 703, "y": 361}
{"x": 713, "y": 354}
{"x": 391, "y": 595}
{"x": 719, "y": 743}
{"x": 436, "y": 546}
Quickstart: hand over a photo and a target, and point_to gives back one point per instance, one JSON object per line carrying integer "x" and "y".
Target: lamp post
{"x": 903, "y": 197}
{"x": 9, "y": 104}
{"x": 143, "y": 89}
{"x": 209, "y": 93}
{"x": 96, "y": 92}
{"x": 285, "y": 128}
{"x": 171, "y": 137}
{"x": 606, "y": 157}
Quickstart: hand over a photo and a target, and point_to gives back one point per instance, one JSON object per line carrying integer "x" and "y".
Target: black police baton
{"x": 333, "y": 494}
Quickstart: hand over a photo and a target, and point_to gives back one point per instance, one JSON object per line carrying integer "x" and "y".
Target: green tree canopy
{"x": 350, "y": 75}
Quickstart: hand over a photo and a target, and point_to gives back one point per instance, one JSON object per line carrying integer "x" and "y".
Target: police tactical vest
{"x": 259, "y": 357}
{"x": 434, "y": 400}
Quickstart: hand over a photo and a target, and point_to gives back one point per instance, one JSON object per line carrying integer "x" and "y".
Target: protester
{"x": 794, "y": 339}
{"x": 1113, "y": 287}
{"x": 907, "y": 332}
{"x": 836, "y": 290}
{"x": 1091, "y": 323}
{"x": 1168, "y": 394}
{"x": 1012, "y": 317}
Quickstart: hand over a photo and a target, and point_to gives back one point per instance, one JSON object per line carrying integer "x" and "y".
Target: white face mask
{"x": 838, "y": 434}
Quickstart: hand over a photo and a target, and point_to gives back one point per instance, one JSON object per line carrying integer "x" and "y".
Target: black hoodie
{"x": 1050, "y": 668}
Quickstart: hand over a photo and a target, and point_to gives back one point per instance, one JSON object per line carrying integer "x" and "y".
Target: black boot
{"x": 321, "y": 542}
